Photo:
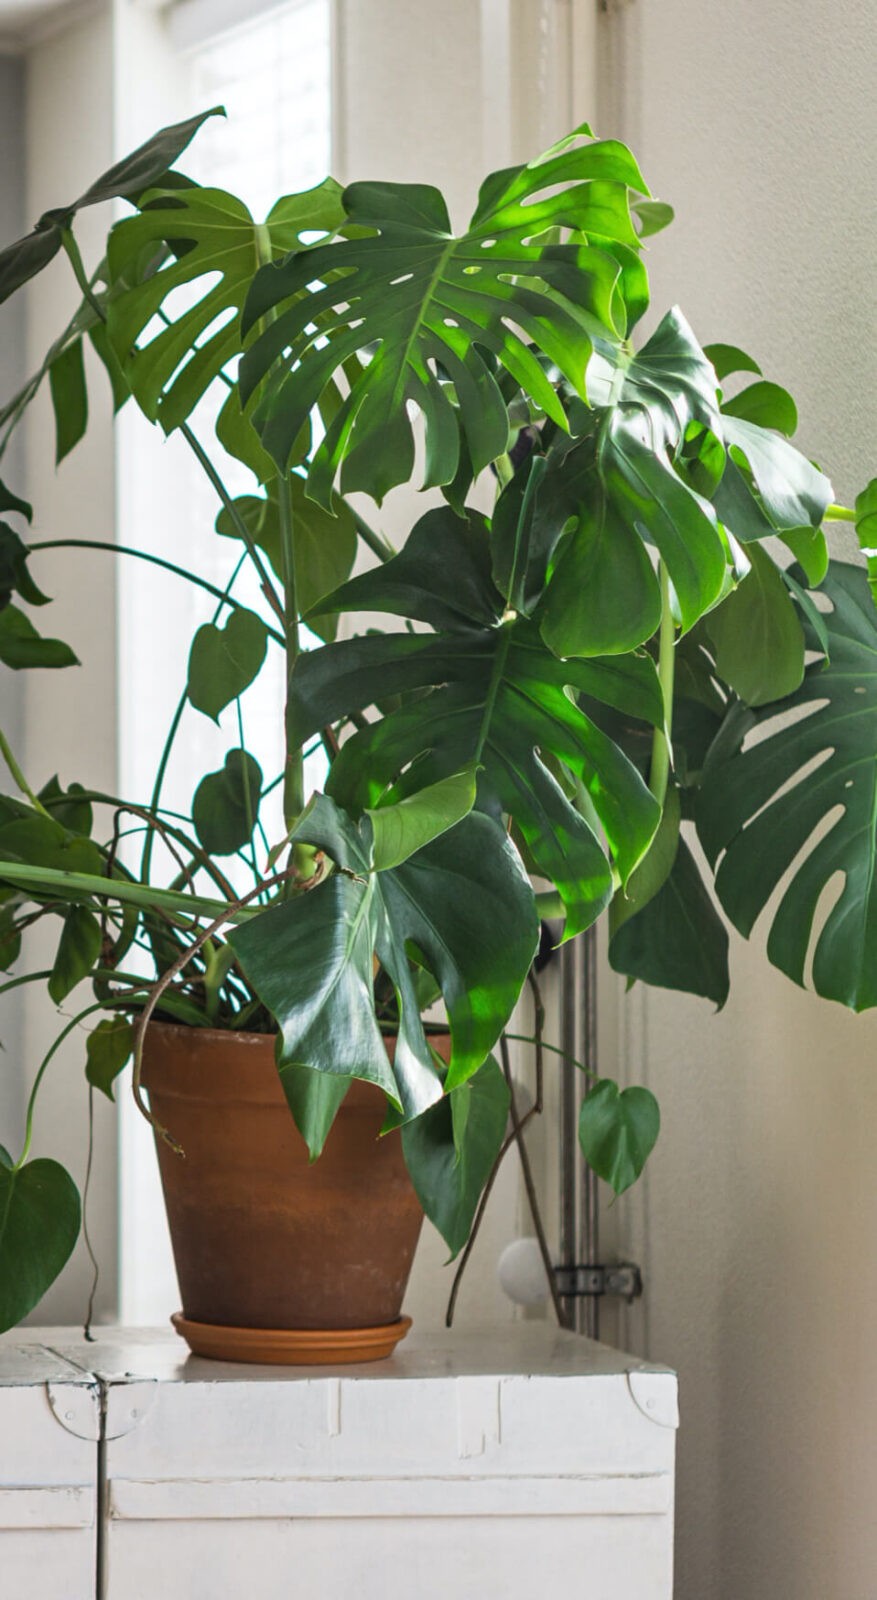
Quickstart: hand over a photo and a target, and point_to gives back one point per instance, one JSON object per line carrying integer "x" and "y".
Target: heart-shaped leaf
{"x": 78, "y": 950}
{"x": 618, "y": 1130}
{"x": 224, "y": 661}
{"x": 451, "y": 1148}
{"x": 22, "y": 646}
{"x": 108, "y": 1049}
{"x": 226, "y": 804}
{"x": 39, "y": 1225}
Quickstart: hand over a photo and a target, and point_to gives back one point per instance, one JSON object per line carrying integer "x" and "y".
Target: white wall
{"x": 757, "y": 1219}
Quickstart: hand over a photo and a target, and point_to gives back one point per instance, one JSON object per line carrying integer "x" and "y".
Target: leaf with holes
{"x": 797, "y": 808}
{"x": 410, "y": 299}
{"x": 216, "y": 247}
{"x": 618, "y": 1131}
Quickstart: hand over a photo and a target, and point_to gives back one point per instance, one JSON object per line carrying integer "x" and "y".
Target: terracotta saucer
{"x": 291, "y": 1347}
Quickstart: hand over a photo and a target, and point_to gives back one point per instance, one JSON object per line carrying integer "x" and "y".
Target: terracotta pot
{"x": 262, "y": 1238}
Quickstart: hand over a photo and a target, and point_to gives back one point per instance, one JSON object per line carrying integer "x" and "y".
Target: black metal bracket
{"x": 623, "y": 1279}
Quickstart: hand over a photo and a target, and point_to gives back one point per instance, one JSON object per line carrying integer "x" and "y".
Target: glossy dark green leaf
{"x": 77, "y": 952}
{"x": 329, "y": 937}
{"x": 226, "y": 804}
{"x": 765, "y": 404}
{"x": 69, "y": 398}
{"x": 21, "y": 646}
{"x": 14, "y": 574}
{"x": 108, "y": 1049}
{"x": 792, "y": 492}
{"x": 224, "y": 661}
{"x": 314, "y": 1099}
{"x": 406, "y": 295}
{"x": 809, "y": 546}
{"x": 654, "y": 869}
{"x": 39, "y": 1225}
{"x": 676, "y": 940}
{"x": 451, "y": 1148}
{"x": 170, "y": 367}
{"x": 758, "y": 639}
{"x": 762, "y": 807}
{"x": 618, "y": 1131}
{"x": 22, "y": 260}
{"x": 520, "y": 558}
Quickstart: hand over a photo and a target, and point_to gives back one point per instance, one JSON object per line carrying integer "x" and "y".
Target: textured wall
{"x": 756, "y": 1225}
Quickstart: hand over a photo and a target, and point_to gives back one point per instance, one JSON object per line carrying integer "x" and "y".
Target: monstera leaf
{"x": 800, "y": 805}
{"x": 463, "y": 903}
{"x": 216, "y": 247}
{"x": 418, "y": 301}
{"x": 498, "y": 698}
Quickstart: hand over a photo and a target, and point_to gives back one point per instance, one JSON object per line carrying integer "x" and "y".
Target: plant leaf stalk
{"x": 659, "y": 771}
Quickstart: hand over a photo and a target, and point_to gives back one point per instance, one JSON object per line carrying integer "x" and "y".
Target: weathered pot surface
{"x": 262, "y": 1238}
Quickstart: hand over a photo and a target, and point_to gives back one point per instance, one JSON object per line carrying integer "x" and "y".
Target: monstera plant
{"x": 561, "y": 681}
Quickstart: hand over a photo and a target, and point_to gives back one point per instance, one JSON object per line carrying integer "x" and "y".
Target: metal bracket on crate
{"x": 623, "y": 1279}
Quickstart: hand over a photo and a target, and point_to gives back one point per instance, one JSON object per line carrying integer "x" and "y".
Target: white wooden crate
{"x": 514, "y": 1463}
{"x": 49, "y": 1431}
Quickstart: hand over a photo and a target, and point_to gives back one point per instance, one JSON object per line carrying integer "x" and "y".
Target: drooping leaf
{"x": 21, "y": 646}
{"x": 401, "y": 829}
{"x": 224, "y": 661}
{"x": 618, "y": 1131}
{"x": 108, "y": 1049}
{"x": 677, "y": 939}
{"x": 451, "y": 1148}
{"x": 22, "y": 260}
{"x": 69, "y": 398}
{"x": 762, "y": 807}
{"x": 791, "y": 491}
{"x": 226, "y": 804}
{"x": 409, "y": 295}
{"x": 211, "y": 233}
{"x": 314, "y": 1099}
{"x": 14, "y": 574}
{"x": 462, "y": 902}
{"x": 77, "y": 952}
{"x": 39, "y": 1225}
{"x": 653, "y": 871}
{"x": 758, "y": 639}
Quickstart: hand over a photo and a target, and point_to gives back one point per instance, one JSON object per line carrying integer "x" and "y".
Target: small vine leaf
{"x": 618, "y": 1130}
{"x": 866, "y": 531}
{"x": 78, "y": 950}
{"x": 107, "y": 1051}
{"x": 14, "y": 574}
{"x": 39, "y": 1225}
{"x": 69, "y": 398}
{"x": 226, "y": 804}
{"x": 224, "y": 661}
{"x": 21, "y": 646}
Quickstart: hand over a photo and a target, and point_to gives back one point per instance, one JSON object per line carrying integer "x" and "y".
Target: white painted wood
{"x": 49, "y": 1426}
{"x": 499, "y": 1463}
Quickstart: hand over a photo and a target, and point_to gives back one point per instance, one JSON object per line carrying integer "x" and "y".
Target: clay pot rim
{"x": 189, "y": 1031}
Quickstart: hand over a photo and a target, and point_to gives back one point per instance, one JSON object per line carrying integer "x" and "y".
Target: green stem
{"x": 155, "y": 561}
{"x": 19, "y": 776}
{"x": 375, "y": 542}
{"x": 835, "y": 513}
{"x": 526, "y": 1038}
{"x": 659, "y": 772}
{"x": 80, "y": 274}
{"x": 293, "y": 783}
{"x": 504, "y": 471}
{"x": 28, "y": 1122}
{"x": 241, "y": 528}
{"x": 499, "y": 662}
{"x": 26, "y": 977}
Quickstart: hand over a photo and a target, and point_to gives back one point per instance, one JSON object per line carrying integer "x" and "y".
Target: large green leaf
{"x": 798, "y": 808}
{"x": 128, "y": 178}
{"x": 677, "y": 939}
{"x": 413, "y": 299}
{"x": 499, "y": 698}
{"x": 618, "y": 1131}
{"x": 224, "y": 661}
{"x": 463, "y": 903}
{"x": 39, "y": 1225}
{"x": 451, "y": 1148}
{"x": 325, "y": 543}
{"x": 216, "y": 247}
{"x": 758, "y": 639}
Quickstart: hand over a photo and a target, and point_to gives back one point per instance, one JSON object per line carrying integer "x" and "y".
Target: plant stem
{"x": 835, "y": 513}
{"x": 79, "y": 273}
{"x": 19, "y": 776}
{"x": 375, "y": 542}
{"x": 293, "y": 783}
{"x": 155, "y": 561}
{"x": 497, "y": 670}
{"x": 28, "y": 1123}
{"x": 659, "y": 772}
{"x": 243, "y": 531}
